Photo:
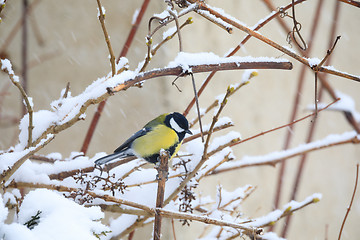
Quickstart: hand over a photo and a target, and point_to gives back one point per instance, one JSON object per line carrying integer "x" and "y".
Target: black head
{"x": 178, "y": 123}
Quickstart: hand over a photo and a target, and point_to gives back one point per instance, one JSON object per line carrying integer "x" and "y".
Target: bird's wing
{"x": 127, "y": 143}
{"x": 111, "y": 157}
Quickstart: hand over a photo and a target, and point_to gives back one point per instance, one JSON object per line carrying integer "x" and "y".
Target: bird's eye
{"x": 176, "y": 126}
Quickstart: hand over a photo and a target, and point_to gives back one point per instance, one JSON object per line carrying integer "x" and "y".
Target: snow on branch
{"x": 276, "y": 157}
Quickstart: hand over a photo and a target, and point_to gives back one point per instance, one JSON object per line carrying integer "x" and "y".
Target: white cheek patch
{"x": 175, "y": 126}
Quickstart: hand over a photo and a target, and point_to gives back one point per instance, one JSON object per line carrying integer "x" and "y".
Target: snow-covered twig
{"x": 208, "y": 220}
{"x": 276, "y": 157}
{"x": 5, "y": 65}
{"x": 20, "y": 158}
{"x": 101, "y": 17}
{"x": 274, "y": 216}
{"x": 224, "y": 64}
{"x": 61, "y": 188}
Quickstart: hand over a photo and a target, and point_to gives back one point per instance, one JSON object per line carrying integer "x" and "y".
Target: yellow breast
{"x": 161, "y": 137}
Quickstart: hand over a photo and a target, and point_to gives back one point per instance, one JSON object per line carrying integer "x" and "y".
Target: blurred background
{"x": 65, "y": 43}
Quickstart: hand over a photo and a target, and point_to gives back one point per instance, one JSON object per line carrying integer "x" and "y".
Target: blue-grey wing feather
{"x": 124, "y": 150}
{"x": 127, "y": 143}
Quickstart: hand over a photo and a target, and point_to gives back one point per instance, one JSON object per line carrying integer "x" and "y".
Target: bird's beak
{"x": 188, "y": 132}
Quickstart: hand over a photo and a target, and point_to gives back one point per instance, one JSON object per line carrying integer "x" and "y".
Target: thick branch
{"x": 177, "y": 71}
{"x": 162, "y": 170}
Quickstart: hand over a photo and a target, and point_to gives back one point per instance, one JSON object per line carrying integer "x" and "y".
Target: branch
{"x": 5, "y": 175}
{"x": 162, "y": 176}
{"x": 107, "y": 39}
{"x": 276, "y": 215}
{"x": 61, "y": 188}
{"x": 274, "y": 158}
{"x": 208, "y": 220}
{"x": 5, "y": 66}
{"x": 237, "y": 24}
{"x": 351, "y": 201}
{"x": 176, "y": 71}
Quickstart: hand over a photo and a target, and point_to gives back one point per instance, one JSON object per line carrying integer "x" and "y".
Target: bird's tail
{"x": 116, "y": 155}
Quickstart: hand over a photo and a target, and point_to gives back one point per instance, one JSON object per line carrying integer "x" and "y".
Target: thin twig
{"x": 285, "y": 125}
{"x": 157, "y": 47}
{"x": 207, "y": 15}
{"x": 15, "y": 80}
{"x": 177, "y": 29}
{"x": 101, "y": 106}
{"x": 197, "y": 106}
{"x": 216, "y": 102}
{"x": 107, "y": 39}
{"x": 351, "y": 201}
{"x": 296, "y": 30}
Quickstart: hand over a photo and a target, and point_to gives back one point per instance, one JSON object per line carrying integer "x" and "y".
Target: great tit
{"x": 167, "y": 132}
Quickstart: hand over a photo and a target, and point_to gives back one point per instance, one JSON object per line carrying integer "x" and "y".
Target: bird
{"x": 167, "y": 132}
